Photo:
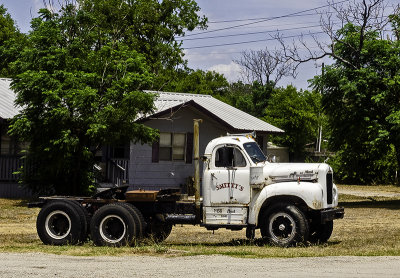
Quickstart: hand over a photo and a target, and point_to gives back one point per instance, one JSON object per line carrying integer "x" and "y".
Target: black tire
{"x": 138, "y": 217}
{"x": 320, "y": 233}
{"x": 113, "y": 225}
{"x": 250, "y": 232}
{"x": 284, "y": 225}
{"x": 158, "y": 230}
{"x": 85, "y": 220}
{"x": 59, "y": 223}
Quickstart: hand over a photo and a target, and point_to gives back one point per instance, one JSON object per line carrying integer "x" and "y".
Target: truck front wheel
{"x": 284, "y": 225}
{"x": 320, "y": 233}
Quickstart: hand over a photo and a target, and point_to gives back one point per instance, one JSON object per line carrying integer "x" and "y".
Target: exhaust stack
{"x": 196, "y": 123}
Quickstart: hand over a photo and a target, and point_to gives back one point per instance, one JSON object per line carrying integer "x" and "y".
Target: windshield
{"x": 254, "y": 151}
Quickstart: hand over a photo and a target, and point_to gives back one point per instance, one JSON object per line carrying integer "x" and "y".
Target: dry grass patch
{"x": 371, "y": 227}
{"x": 373, "y": 188}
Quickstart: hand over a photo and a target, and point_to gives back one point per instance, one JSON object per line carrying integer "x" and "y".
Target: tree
{"x": 148, "y": 26}
{"x": 79, "y": 83}
{"x": 265, "y": 66}
{"x": 363, "y": 105}
{"x": 296, "y": 112}
{"x": 360, "y": 90}
{"x": 11, "y": 42}
{"x": 196, "y": 82}
{"x": 251, "y": 98}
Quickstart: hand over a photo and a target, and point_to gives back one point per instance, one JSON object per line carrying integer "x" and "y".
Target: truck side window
{"x": 229, "y": 157}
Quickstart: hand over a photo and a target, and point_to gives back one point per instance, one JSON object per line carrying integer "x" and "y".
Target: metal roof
{"x": 7, "y": 96}
{"x": 223, "y": 112}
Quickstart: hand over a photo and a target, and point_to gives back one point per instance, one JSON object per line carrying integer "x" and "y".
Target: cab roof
{"x": 237, "y": 139}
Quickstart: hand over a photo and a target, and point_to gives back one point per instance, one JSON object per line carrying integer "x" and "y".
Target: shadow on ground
{"x": 370, "y": 202}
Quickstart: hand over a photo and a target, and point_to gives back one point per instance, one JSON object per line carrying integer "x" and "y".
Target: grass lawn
{"x": 371, "y": 227}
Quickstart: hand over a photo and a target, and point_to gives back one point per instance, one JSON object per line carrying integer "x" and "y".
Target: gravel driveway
{"x": 46, "y": 265}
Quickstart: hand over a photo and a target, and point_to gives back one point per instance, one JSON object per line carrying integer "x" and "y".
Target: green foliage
{"x": 251, "y": 98}
{"x": 361, "y": 100}
{"x": 240, "y": 96}
{"x": 11, "y": 42}
{"x": 296, "y": 112}
{"x": 195, "y": 82}
{"x": 351, "y": 167}
{"x": 148, "y": 26}
{"x": 80, "y": 79}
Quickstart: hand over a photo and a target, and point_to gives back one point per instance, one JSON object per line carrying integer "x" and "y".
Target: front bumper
{"x": 331, "y": 214}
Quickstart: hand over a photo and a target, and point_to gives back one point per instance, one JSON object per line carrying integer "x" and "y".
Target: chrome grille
{"x": 329, "y": 187}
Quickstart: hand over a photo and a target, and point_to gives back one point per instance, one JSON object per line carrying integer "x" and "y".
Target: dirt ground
{"x": 368, "y": 193}
{"x": 48, "y": 265}
{"x": 360, "y": 233}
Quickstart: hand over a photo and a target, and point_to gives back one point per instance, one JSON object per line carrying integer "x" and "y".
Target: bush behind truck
{"x": 289, "y": 202}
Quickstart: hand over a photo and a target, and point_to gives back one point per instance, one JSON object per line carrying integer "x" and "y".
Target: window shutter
{"x": 189, "y": 148}
{"x": 155, "y": 152}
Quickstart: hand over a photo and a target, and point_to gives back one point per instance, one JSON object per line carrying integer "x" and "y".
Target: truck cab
{"x": 289, "y": 202}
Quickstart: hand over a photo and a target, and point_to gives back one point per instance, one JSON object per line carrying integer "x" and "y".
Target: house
{"x": 10, "y": 158}
{"x": 167, "y": 163}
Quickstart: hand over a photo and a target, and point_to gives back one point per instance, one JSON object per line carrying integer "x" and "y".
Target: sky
{"x": 234, "y": 26}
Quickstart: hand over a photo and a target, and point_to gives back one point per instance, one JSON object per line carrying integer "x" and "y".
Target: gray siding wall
{"x": 166, "y": 174}
{"x": 13, "y": 190}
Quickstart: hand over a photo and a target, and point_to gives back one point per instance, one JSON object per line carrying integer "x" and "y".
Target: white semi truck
{"x": 290, "y": 203}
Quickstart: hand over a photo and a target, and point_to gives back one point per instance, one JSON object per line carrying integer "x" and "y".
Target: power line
{"x": 250, "y": 33}
{"x": 251, "y": 19}
{"x": 264, "y": 20}
{"x": 269, "y": 26}
{"x": 244, "y": 42}
{"x": 236, "y": 52}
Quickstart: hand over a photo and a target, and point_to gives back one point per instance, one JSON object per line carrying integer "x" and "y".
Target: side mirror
{"x": 272, "y": 159}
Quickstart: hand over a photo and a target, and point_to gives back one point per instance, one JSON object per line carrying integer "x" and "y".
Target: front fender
{"x": 310, "y": 193}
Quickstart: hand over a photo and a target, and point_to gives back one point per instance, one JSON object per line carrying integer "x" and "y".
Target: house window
{"x": 7, "y": 146}
{"x": 173, "y": 147}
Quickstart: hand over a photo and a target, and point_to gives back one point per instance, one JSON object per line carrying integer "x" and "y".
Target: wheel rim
{"x": 112, "y": 228}
{"x": 58, "y": 224}
{"x": 282, "y": 227}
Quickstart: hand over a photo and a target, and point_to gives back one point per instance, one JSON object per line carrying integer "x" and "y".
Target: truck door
{"x": 230, "y": 174}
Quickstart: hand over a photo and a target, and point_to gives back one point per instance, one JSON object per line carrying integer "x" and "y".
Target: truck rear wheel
{"x": 59, "y": 223}
{"x": 138, "y": 218}
{"x": 84, "y": 219}
{"x": 320, "y": 233}
{"x": 284, "y": 225}
{"x": 113, "y": 225}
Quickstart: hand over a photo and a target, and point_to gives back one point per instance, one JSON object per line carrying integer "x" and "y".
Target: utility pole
{"x": 319, "y": 139}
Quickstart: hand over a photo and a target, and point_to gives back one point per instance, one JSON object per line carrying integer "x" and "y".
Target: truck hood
{"x": 282, "y": 172}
